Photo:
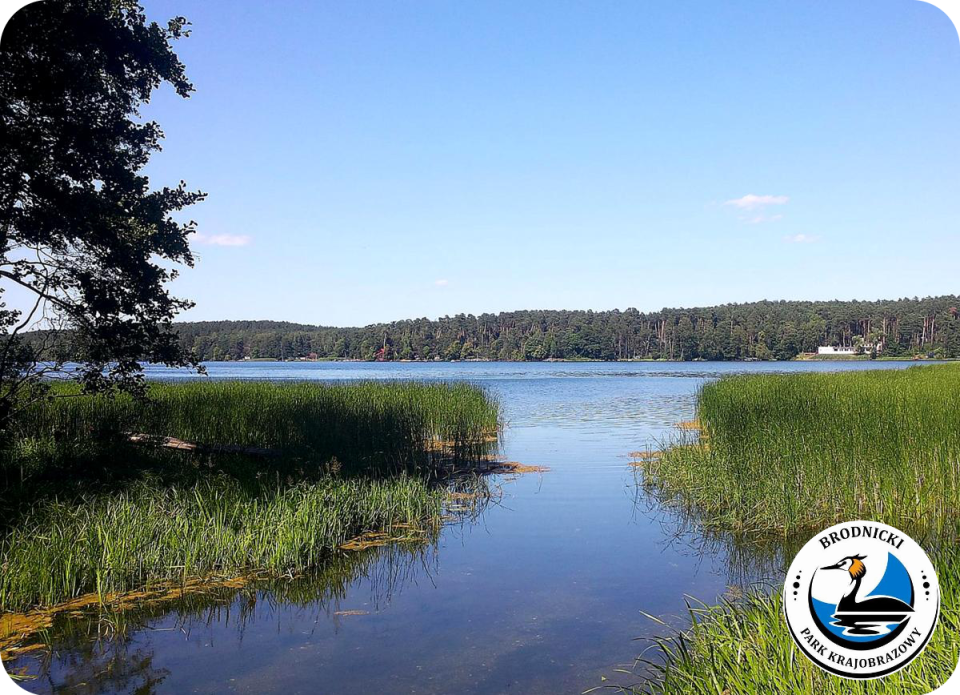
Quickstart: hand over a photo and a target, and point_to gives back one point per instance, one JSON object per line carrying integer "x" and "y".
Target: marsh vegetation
{"x": 781, "y": 456}
{"x": 368, "y": 427}
{"x": 85, "y": 509}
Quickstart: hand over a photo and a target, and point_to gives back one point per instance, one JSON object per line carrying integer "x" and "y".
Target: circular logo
{"x": 861, "y": 599}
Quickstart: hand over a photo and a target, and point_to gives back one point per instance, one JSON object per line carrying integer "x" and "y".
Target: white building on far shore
{"x": 832, "y": 350}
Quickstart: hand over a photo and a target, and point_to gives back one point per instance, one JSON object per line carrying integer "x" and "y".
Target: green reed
{"x": 149, "y": 532}
{"x": 788, "y": 454}
{"x": 785, "y": 456}
{"x": 83, "y": 509}
{"x": 744, "y": 647}
{"x": 365, "y": 426}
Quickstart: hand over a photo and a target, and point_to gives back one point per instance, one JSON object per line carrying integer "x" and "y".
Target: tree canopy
{"x": 759, "y": 330}
{"x": 82, "y": 234}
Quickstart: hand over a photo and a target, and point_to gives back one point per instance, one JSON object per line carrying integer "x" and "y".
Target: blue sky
{"x": 370, "y": 161}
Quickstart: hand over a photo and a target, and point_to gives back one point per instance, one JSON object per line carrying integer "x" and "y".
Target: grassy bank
{"x": 365, "y": 425}
{"x": 789, "y": 454}
{"x": 744, "y": 647}
{"x": 784, "y": 456}
{"x": 86, "y": 510}
{"x": 151, "y": 532}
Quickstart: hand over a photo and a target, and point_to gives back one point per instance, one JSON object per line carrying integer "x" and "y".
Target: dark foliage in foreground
{"x": 81, "y": 232}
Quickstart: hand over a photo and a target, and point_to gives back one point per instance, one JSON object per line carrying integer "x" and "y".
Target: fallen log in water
{"x": 195, "y": 448}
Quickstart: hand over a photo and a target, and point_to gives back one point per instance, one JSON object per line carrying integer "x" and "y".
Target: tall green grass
{"x": 83, "y": 509}
{"x": 784, "y": 456}
{"x": 117, "y": 542}
{"x": 743, "y": 647}
{"x": 366, "y": 427}
{"x": 788, "y": 454}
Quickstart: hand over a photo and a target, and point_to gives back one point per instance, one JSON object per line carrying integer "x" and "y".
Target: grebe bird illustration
{"x": 864, "y": 616}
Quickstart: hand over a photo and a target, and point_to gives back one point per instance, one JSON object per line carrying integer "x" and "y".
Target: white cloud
{"x": 754, "y": 202}
{"x": 222, "y": 239}
{"x": 801, "y": 239}
{"x": 441, "y": 283}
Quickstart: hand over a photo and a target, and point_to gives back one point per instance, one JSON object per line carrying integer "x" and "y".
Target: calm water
{"x": 543, "y": 593}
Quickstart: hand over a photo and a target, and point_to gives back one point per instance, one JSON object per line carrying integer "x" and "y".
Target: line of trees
{"x": 759, "y": 330}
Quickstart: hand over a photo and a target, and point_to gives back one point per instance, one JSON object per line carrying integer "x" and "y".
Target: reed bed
{"x": 744, "y": 647}
{"x": 785, "y": 456}
{"x": 83, "y": 509}
{"x": 382, "y": 425}
{"x": 789, "y": 454}
{"x": 118, "y": 542}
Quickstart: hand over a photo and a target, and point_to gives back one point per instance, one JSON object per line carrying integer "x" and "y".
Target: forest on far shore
{"x": 759, "y": 330}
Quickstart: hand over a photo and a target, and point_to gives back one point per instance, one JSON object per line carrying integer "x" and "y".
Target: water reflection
{"x": 747, "y": 560}
{"x": 104, "y": 650}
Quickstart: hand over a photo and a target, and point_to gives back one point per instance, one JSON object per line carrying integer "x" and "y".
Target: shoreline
{"x": 799, "y": 358}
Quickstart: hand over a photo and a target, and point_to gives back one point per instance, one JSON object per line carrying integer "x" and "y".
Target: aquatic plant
{"x": 150, "y": 532}
{"x": 782, "y": 456}
{"x": 788, "y": 454}
{"x": 106, "y": 515}
{"x": 353, "y": 428}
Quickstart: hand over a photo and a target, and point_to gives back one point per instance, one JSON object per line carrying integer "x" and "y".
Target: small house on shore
{"x": 832, "y": 350}
{"x": 842, "y": 350}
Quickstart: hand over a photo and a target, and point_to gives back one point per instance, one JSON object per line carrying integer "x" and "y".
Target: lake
{"x": 545, "y": 591}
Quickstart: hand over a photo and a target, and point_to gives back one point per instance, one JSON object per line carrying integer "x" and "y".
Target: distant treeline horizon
{"x": 757, "y": 330}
